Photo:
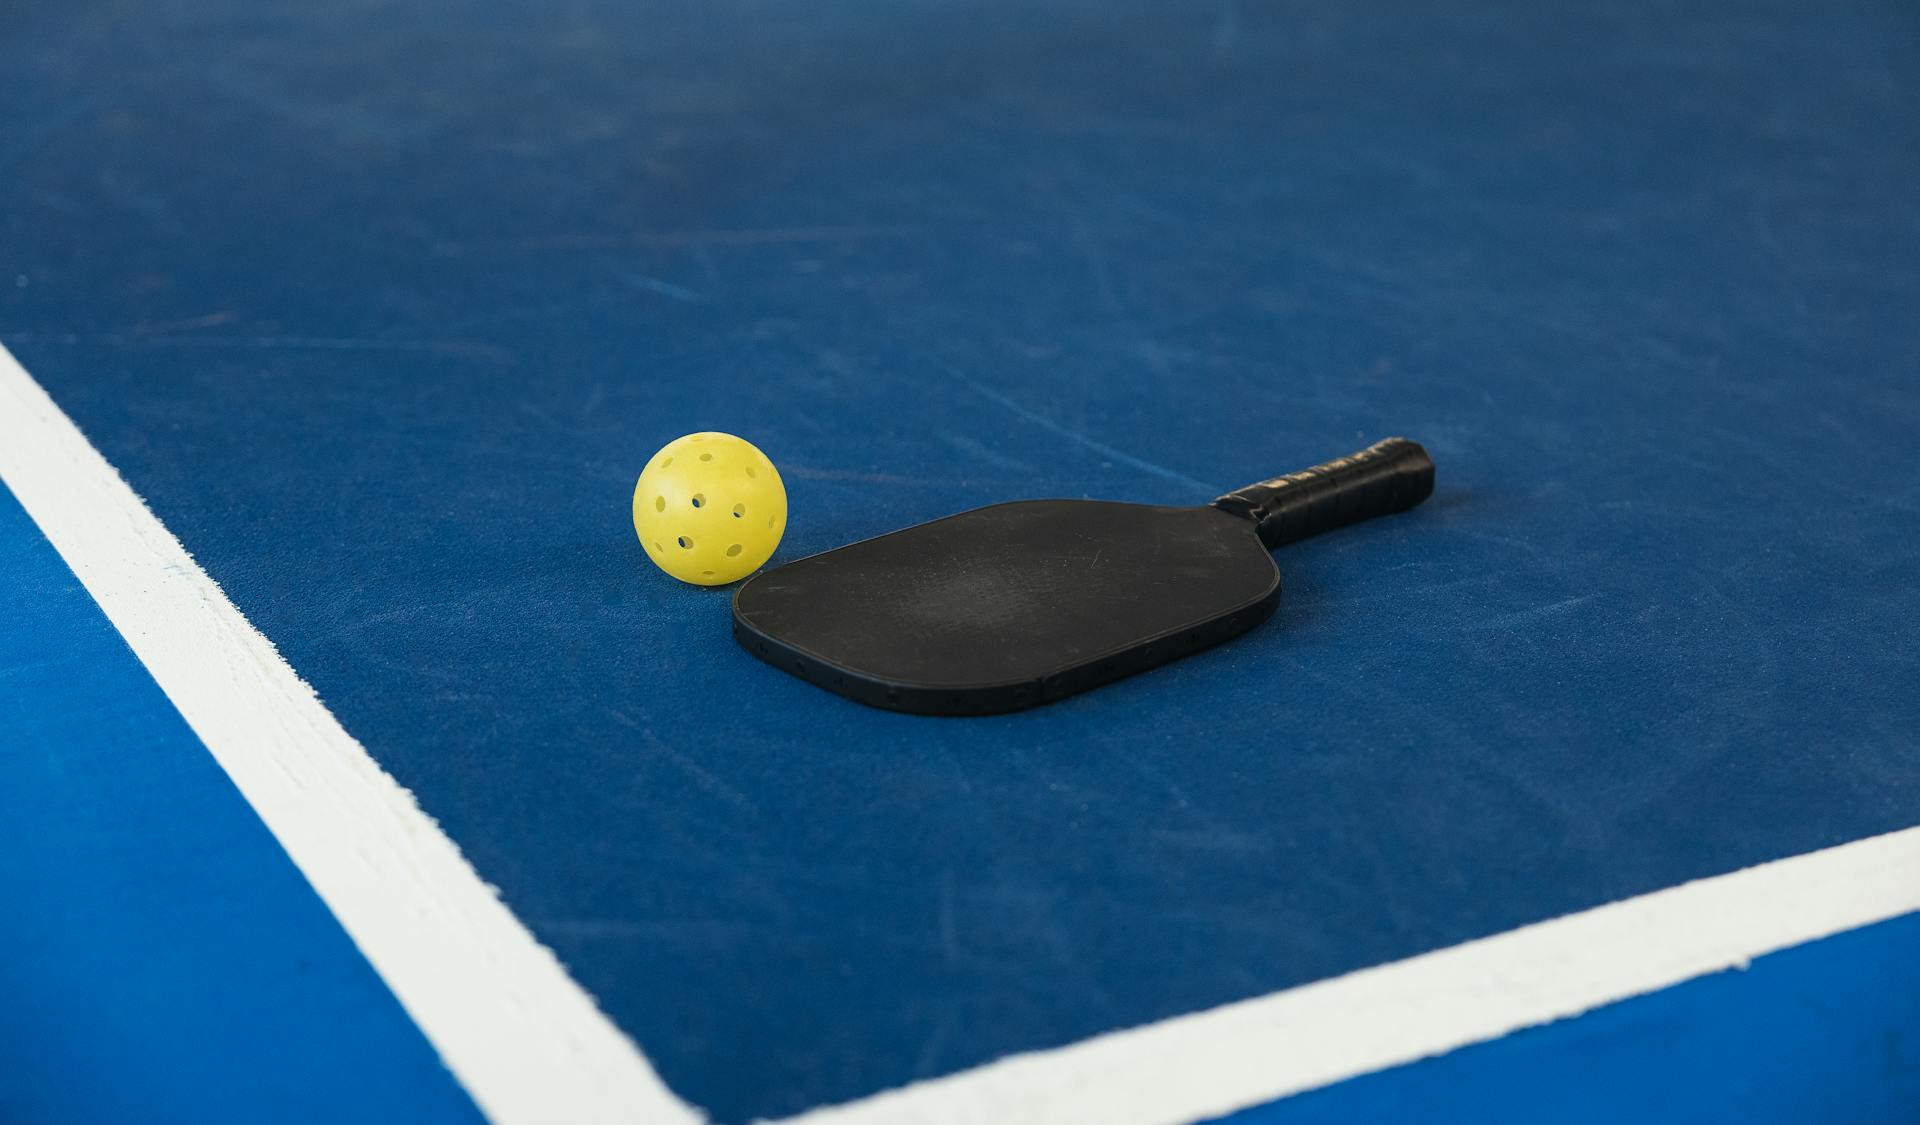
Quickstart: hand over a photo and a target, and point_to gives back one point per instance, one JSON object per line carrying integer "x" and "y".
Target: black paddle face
{"x": 1010, "y": 606}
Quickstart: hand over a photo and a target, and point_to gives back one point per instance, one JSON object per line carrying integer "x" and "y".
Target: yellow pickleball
{"x": 709, "y": 508}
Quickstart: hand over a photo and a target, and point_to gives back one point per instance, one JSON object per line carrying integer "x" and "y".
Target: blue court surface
{"x": 381, "y": 306}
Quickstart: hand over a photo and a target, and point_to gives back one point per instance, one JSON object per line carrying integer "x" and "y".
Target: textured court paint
{"x": 1823, "y": 1032}
{"x": 525, "y": 1041}
{"x": 1258, "y": 1050}
{"x": 348, "y": 291}
{"x": 160, "y": 960}
{"x": 1160, "y": 1075}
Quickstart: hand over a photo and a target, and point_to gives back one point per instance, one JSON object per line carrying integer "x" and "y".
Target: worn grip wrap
{"x": 1386, "y": 477}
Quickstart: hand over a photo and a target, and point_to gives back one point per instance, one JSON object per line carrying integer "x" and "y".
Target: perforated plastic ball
{"x": 709, "y": 508}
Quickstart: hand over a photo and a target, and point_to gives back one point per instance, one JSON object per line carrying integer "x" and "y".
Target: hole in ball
{"x": 751, "y": 473}
{"x": 665, "y": 461}
{"x": 739, "y": 510}
{"x": 770, "y": 521}
{"x": 706, "y": 456}
{"x": 733, "y": 550}
{"x": 659, "y": 503}
{"x": 686, "y": 544}
{"x": 699, "y": 500}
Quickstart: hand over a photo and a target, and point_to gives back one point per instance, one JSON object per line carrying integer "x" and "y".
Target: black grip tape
{"x": 1386, "y": 477}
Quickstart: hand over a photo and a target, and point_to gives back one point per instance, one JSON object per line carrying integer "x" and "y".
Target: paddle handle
{"x": 1384, "y": 478}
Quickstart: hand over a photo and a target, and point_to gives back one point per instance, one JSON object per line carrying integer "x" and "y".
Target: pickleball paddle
{"x": 1019, "y": 604}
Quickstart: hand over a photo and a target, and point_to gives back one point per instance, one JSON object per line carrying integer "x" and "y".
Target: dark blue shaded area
{"x": 161, "y": 960}
{"x": 383, "y": 307}
{"x": 1822, "y": 1032}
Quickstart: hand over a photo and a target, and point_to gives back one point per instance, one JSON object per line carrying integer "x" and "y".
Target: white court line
{"x": 1254, "y": 1051}
{"x": 531, "y": 1048}
{"x": 525, "y": 1041}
